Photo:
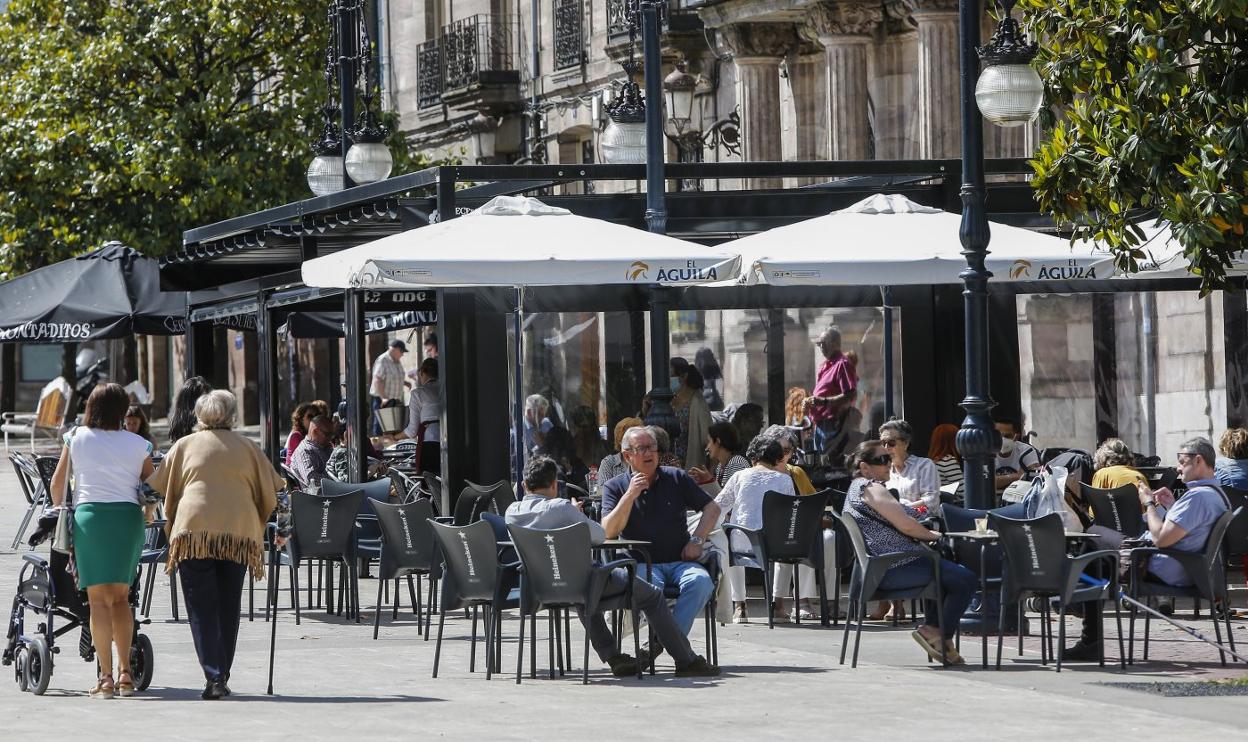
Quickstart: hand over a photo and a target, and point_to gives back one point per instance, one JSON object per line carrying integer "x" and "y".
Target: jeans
{"x": 214, "y": 592}
{"x": 824, "y": 432}
{"x": 957, "y": 583}
{"x": 649, "y": 600}
{"x": 695, "y": 588}
{"x": 374, "y": 424}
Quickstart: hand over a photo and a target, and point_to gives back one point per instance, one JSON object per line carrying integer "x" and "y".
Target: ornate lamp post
{"x": 350, "y": 151}
{"x": 1009, "y": 93}
{"x": 634, "y": 118}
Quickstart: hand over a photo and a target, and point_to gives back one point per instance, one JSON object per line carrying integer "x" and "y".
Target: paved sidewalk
{"x": 333, "y": 680}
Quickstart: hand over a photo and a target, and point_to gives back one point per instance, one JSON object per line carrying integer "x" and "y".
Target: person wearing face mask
{"x": 692, "y": 414}
{"x": 1016, "y": 460}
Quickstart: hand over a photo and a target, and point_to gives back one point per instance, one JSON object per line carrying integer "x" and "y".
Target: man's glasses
{"x": 643, "y": 449}
{"x": 1186, "y": 457}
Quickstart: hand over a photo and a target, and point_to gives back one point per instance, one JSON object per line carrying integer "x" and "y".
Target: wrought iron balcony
{"x": 429, "y": 73}
{"x": 622, "y": 13}
{"x": 472, "y": 59}
{"x": 479, "y": 49}
{"x": 569, "y": 33}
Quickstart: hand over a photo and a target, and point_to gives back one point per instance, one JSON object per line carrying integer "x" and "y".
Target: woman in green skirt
{"x": 108, "y": 465}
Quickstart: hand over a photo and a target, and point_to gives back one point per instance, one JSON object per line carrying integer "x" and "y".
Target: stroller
{"x": 47, "y": 592}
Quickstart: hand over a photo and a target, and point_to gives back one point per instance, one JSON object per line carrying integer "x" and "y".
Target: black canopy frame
{"x": 265, "y": 250}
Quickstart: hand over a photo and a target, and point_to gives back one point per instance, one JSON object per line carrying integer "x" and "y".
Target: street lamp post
{"x": 351, "y": 151}
{"x": 1009, "y": 93}
{"x": 619, "y": 145}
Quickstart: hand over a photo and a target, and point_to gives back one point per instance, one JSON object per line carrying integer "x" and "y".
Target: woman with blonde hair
{"x": 1231, "y": 467}
{"x": 219, "y": 491}
{"x": 1114, "y": 465}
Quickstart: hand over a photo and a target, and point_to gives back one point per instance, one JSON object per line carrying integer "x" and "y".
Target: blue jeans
{"x": 957, "y": 583}
{"x": 695, "y": 588}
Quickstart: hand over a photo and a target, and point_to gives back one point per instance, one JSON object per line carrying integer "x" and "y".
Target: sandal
{"x": 104, "y": 688}
{"x": 125, "y": 688}
{"x": 805, "y": 613}
{"x": 933, "y": 650}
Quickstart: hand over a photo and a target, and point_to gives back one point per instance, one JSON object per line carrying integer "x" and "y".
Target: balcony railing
{"x": 476, "y": 46}
{"x": 429, "y": 73}
{"x": 620, "y": 13}
{"x": 467, "y": 52}
{"x": 569, "y": 33}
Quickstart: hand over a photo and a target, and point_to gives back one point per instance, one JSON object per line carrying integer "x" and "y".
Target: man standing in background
{"x": 836, "y": 388}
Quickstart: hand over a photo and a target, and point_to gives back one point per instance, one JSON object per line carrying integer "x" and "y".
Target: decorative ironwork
{"x": 569, "y": 34}
{"x": 476, "y": 44}
{"x": 429, "y": 73}
{"x": 623, "y": 17}
{"x": 1009, "y": 44}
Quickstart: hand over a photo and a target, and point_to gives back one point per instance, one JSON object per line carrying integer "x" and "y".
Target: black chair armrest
{"x": 1076, "y": 566}
{"x": 599, "y": 576}
{"x": 756, "y": 543}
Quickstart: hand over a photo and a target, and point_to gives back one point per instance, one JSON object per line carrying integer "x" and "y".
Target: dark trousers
{"x": 214, "y": 592}
{"x": 374, "y": 425}
{"x": 649, "y": 600}
{"x": 957, "y": 584}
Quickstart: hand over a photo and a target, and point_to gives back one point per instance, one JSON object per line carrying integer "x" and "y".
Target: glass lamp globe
{"x": 369, "y": 162}
{"x": 1009, "y": 94}
{"x": 325, "y": 174}
{"x": 624, "y": 143}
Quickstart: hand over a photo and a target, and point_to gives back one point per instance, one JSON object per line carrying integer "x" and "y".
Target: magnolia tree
{"x": 1147, "y": 117}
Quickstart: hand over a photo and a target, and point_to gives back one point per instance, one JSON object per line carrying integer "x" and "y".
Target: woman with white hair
{"x": 219, "y": 491}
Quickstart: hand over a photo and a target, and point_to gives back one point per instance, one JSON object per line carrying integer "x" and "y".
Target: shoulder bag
{"x": 63, "y": 535}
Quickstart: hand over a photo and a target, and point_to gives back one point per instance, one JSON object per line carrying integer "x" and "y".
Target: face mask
{"x": 1007, "y": 447}
{"x": 675, "y": 382}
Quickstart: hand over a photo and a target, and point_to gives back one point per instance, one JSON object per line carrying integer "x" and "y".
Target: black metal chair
{"x": 155, "y": 552}
{"x": 407, "y": 550}
{"x": 558, "y": 573}
{"x": 1117, "y": 509}
{"x": 474, "y": 579}
{"x": 1035, "y": 563}
{"x": 869, "y": 571}
{"x": 33, "y": 489}
{"x": 324, "y": 528}
{"x": 792, "y": 533}
{"x": 1205, "y": 568}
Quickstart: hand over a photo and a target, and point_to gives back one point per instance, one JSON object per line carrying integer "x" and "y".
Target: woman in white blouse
{"x": 913, "y": 478}
{"x": 741, "y": 502}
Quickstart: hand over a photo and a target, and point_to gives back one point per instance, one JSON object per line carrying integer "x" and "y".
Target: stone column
{"x": 808, "y": 78}
{"x": 844, "y": 30}
{"x": 940, "y": 127}
{"x": 757, "y": 50}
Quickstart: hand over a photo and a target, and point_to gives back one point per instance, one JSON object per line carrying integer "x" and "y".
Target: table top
{"x": 992, "y": 535}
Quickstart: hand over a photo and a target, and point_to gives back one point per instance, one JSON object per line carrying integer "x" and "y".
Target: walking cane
{"x": 281, "y": 530}
{"x": 1185, "y": 629}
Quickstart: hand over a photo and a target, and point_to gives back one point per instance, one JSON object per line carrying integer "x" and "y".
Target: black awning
{"x": 110, "y": 292}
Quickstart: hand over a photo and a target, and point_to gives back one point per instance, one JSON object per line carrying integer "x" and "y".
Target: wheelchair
{"x": 47, "y": 606}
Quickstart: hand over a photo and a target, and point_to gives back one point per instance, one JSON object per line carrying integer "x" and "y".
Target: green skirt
{"x": 108, "y": 538}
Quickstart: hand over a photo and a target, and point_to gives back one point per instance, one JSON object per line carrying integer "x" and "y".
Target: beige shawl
{"x": 219, "y": 491}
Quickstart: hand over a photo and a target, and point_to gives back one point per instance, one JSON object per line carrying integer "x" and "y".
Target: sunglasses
{"x": 880, "y": 460}
{"x": 890, "y": 442}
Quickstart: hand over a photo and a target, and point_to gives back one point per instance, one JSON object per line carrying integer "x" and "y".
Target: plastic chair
{"x": 1035, "y": 564}
{"x": 1236, "y": 539}
{"x": 558, "y": 574}
{"x": 472, "y": 501}
{"x": 1205, "y": 568}
{"x": 324, "y": 528}
{"x": 1117, "y": 509}
{"x": 407, "y": 550}
{"x": 791, "y": 534}
{"x": 474, "y": 579}
{"x": 500, "y": 493}
{"x": 869, "y": 571}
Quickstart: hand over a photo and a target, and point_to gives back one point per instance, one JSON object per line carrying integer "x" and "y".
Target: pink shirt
{"x": 836, "y": 376}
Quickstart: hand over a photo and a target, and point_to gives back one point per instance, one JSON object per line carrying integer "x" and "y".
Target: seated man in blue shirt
{"x": 542, "y": 509}
{"x": 1182, "y": 524}
{"x": 649, "y": 504}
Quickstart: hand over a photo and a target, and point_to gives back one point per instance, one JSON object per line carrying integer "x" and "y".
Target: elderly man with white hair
{"x": 648, "y": 502}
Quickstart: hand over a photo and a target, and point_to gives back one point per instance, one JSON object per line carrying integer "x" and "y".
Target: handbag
{"x": 63, "y": 535}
